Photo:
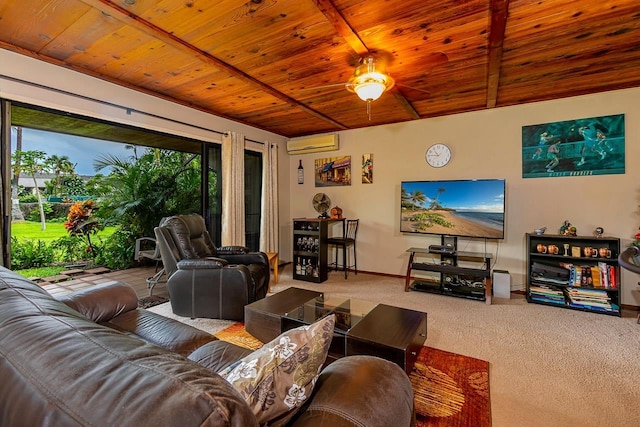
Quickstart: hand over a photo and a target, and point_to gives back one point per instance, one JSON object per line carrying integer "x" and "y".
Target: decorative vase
{"x": 336, "y": 212}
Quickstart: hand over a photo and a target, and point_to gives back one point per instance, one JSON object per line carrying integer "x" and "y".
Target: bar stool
{"x": 348, "y": 239}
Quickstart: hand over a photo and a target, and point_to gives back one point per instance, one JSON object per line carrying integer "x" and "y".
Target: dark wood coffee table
{"x": 392, "y": 333}
{"x": 262, "y": 318}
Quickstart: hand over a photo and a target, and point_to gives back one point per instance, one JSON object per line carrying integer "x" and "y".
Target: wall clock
{"x": 438, "y": 155}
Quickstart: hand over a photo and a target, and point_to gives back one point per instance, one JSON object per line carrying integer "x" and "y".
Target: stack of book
{"x": 549, "y": 294}
{"x": 602, "y": 275}
{"x": 550, "y": 274}
{"x": 592, "y": 299}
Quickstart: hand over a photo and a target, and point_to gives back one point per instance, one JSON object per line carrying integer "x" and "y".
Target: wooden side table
{"x": 273, "y": 262}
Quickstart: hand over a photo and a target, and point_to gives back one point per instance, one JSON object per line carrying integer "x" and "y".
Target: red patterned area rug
{"x": 237, "y": 335}
{"x": 450, "y": 389}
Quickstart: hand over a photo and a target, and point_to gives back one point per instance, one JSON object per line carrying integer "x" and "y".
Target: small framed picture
{"x": 576, "y": 251}
{"x": 367, "y": 168}
{"x": 333, "y": 171}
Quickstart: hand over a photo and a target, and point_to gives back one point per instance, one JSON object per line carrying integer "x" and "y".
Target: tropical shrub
{"x": 72, "y": 185}
{"x": 139, "y": 192}
{"x": 30, "y": 253}
{"x": 117, "y": 252}
{"x": 426, "y": 220}
{"x": 143, "y": 191}
{"x": 69, "y": 249}
{"x": 28, "y": 198}
{"x": 81, "y": 222}
{"x": 34, "y": 214}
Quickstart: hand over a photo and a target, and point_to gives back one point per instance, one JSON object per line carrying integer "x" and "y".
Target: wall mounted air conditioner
{"x": 313, "y": 144}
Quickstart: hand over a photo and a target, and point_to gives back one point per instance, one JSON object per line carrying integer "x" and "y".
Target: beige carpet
{"x": 549, "y": 366}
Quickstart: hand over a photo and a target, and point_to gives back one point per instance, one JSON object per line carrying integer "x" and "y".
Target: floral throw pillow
{"x": 278, "y": 378}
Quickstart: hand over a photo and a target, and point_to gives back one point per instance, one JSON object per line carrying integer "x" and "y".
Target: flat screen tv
{"x": 464, "y": 208}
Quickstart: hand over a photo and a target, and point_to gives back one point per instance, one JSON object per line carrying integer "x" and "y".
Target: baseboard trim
{"x": 517, "y": 291}
{"x": 630, "y": 307}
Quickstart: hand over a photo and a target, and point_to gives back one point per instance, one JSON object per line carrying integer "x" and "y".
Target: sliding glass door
{"x": 252, "y": 198}
{"x": 191, "y": 164}
{"x": 213, "y": 194}
{"x": 252, "y": 192}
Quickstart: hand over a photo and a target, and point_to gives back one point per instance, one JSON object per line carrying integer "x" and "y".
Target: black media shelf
{"x": 455, "y": 291}
{"x": 310, "y": 248}
{"x": 450, "y": 278}
{"x": 574, "y": 272}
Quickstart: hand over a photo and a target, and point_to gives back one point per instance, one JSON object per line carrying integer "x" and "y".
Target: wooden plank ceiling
{"x": 279, "y": 65}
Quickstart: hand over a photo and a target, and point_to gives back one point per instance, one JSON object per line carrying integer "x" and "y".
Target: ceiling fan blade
{"x": 401, "y": 86}
{"x": 437, "y": 58}
{"x": 336, "y": 85}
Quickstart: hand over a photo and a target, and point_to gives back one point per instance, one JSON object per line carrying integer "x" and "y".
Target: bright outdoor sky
{"x": 81, "y": 151}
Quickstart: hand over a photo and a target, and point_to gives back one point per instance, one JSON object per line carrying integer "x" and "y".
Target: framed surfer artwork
{"x": 581, "y": 147}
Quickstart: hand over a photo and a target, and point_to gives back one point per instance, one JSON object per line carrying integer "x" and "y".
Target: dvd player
{"x": 441, "y": 249}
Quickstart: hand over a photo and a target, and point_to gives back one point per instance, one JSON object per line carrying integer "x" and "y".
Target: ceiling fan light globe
{"x": 369, "y": 91}
{"x": 368, "y": 82}
{"x": 374, "y": 76}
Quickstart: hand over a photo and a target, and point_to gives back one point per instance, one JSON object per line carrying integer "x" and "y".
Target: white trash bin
{"x": 501, "y": 284}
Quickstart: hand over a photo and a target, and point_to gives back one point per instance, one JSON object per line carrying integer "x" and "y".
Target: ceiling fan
{"x": 370, "y": 79}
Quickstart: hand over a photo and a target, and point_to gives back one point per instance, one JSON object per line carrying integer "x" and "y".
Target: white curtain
{"x": 233, "y": 227}
{"x": 269, "y": 223}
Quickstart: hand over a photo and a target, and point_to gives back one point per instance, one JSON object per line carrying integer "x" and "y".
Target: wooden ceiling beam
{"x": 341, "y": 25}
{"x": 405, "y": 104}
{"x": 498, "y": 23}
{"x": 158, "y": 33}
{"x": 354, "y": 41}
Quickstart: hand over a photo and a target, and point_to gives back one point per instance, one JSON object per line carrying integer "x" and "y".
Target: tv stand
{"x": 448, "y": 277}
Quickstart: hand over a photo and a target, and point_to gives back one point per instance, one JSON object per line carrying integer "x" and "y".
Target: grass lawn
{"x": 40, "y": 271}
{"x": 30, "y": 230}
{"x": 54, "y": 230}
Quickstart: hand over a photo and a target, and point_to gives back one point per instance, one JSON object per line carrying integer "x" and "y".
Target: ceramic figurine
{"x": 598, "y": 232}
{"x": 540, "y": 231}
{"x": 566, "y": 229}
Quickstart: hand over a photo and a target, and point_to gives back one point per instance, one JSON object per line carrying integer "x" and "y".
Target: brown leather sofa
{"x": 93, "y": 358}
{"x": 205, "y": 281}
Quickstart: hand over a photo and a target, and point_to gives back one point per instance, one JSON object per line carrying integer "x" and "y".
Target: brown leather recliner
{"x": 205, "y": 281}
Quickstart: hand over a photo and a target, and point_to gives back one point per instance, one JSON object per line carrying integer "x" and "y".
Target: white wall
{"x": 485, "y": 144}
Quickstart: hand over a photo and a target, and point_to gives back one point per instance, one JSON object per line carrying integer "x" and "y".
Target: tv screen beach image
{"x": 467, "y": 208}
